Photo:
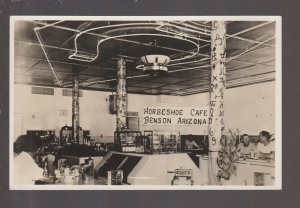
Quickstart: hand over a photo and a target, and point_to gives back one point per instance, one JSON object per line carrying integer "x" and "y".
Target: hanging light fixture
{"x": 155, "y": 64}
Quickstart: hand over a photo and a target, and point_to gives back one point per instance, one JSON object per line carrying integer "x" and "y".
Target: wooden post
{"x": 121, "y": 96}
{"x": 75, "y": 106}
{"x": 217, "y": 88}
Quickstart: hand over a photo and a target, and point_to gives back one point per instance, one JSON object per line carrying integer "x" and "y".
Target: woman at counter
{"x": 26, "y": 170}
{"x": 266, "y": 145}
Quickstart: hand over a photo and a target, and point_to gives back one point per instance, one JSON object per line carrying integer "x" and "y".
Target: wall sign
{"x": 197, "y": 116}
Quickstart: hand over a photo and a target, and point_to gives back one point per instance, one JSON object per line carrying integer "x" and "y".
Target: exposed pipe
{"x": 235, "y": 35}
{"x": 249, "y": 29}
{"x": 54, "y": 47}
{"x": 199, "y": 30}
{"x": 190, "y": 68}
{"x": 182, "y": 28}
{"x": 259, "y": 64}
{"x": 247, "y": 50}
{"x": 241, "y": 32}
{"x": 190, "y": 62}
{"x": 137, "y": 76}
{"x": 121, "y": 29}
{"x": 231, "y": 70}
{"x": 124, "y": 40}
{"x": 132, "y": 35}
{"x": 201, "y": 24}
{"x": 228, "y": 86}
{"x": 69, "y": 63}
{"x": 53, "y": 71}
{"x": 80, "y": 27}
{"x": 72, "y": 50}
{"x": 227, "y": 83}
{"x": 119, "y": 39}
{"x": 50, "y": 25}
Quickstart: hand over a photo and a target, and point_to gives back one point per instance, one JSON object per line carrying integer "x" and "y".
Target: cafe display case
{"x": 163, "y": 141}
{"x": 129, "y": 141}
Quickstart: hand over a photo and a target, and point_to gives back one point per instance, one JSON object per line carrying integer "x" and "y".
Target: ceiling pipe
{"x": 228, "y": 36}
{"x": 80, "y": 27}
{"x": 201, "y": 24}
{"x": 137, "y": 76}
{"x": 124, "y": 40}
{"x": 95, "y": 67}
{"x": 155, "y": 28}
{"x": 238, "y": 33}
{"x": 132, "y": 35}
{"x": 68, "y": 63}
{"x": 228, "y": 86}
{"x": 183, "y": 29}
{"x": 199, "y": 30}
{"x": 259, "y": 64}
{"x": 103, "y": 36}
{"x": 248, "y": 50}
{"x": 49, "y": 25}
{"x": 230, "y": 70}
{"x": 54, "y": 47}
{"x": 52, "y": 69}
{"x": 249, "y": 29}
{"x": 71, "y": 50}
{"x": 121, "y": 29}
{"x": 190, "y": 62}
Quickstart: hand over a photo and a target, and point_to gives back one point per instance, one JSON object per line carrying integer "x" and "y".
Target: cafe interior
{"x": 145, "y": 101}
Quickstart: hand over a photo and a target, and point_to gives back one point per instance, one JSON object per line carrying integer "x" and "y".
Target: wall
{"x": 250, "y": 108}
{"x": 43, "y": 111}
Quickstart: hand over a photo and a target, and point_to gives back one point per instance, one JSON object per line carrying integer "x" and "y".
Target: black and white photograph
{"x": 145, "y": 103}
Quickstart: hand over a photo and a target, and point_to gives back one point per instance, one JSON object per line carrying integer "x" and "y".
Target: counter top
{"x": 242, "y": 160}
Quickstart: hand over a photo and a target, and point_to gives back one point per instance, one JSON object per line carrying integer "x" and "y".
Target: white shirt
{"x": 247, "y": 150}
{"x": 266, "y": 149}
{"x": 26, "y": 170}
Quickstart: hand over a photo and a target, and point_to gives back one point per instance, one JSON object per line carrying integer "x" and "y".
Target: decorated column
{"x": 217, "y": 88}
{"x": 121, "y": 96}
{"x": 75, "y": 106}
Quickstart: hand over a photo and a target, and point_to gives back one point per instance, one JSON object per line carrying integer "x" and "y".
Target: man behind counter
{"x": 246, "y": 146}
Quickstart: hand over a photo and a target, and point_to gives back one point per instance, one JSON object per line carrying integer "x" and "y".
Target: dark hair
{"x": 25, "y": 143}
{"x": 265, "y": 134}
{"x": 244, "y": 135}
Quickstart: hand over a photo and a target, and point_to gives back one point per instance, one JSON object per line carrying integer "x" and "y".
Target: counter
{"x": 248, "y": 172}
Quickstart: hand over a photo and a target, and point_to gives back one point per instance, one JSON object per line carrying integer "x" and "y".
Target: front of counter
{"x": 249, "y": 172}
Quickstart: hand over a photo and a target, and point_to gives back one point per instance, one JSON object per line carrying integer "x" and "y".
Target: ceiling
{"x": 250, "y": 54}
